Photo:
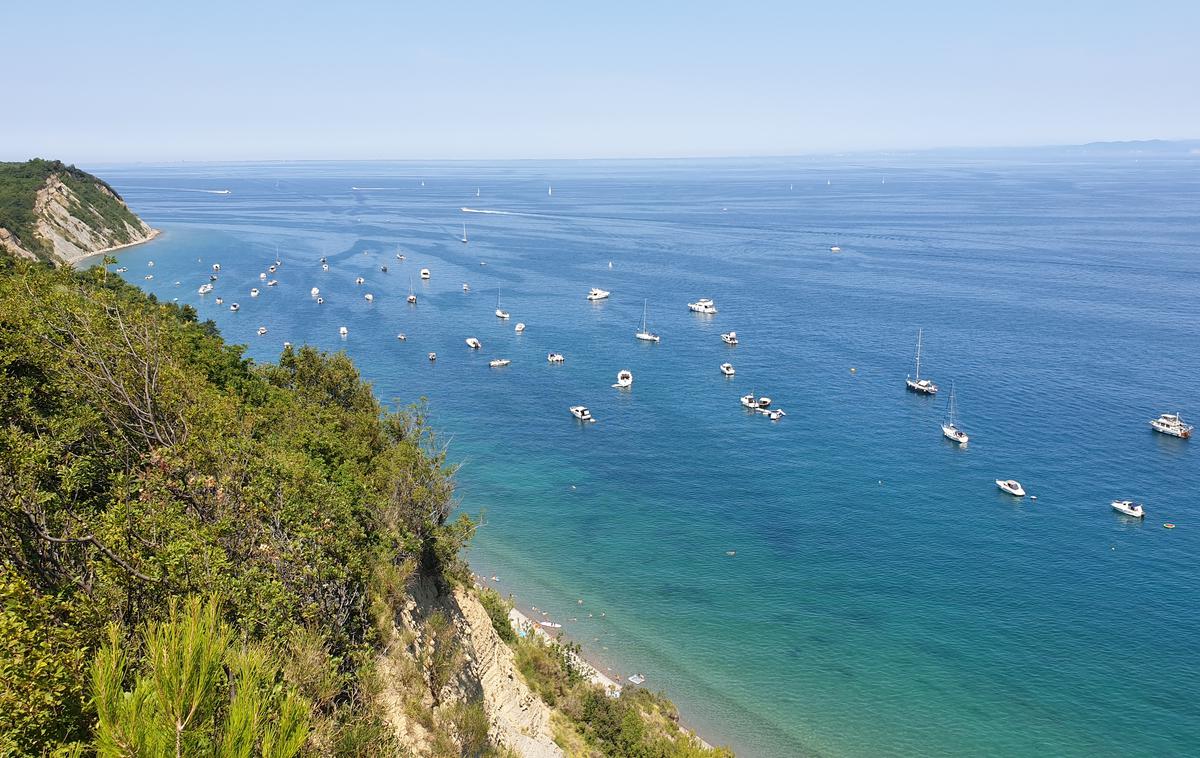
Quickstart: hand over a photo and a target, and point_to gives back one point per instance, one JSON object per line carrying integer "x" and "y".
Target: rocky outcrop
{"x": 486, "y": 673}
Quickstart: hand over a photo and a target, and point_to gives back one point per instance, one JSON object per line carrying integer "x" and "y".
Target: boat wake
{"x": 503, "y": 213}
{"x": 184, "y": 189}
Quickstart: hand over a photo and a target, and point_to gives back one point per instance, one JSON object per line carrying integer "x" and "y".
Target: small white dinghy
{"x": 1129, "y": 508}
{"x": 520, "y": 327}
{"x": 424, "y": 273}
{"x": 727, "y": 369}
{"x": 432, "y": 357}
{"x": 473, "y": 343}
{"x": 624, "y": 379}
{"x": 582, "y": 413}
{"x": 1011, "y": 486}
{"x": 262, "y": 330}
{"x": 499, "y": 362}
{"x": 369, "y": 297}
{"x": 343, "y": 331}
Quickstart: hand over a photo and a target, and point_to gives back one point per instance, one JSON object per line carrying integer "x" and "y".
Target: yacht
{"x": 917, "y": 384}
{"x": 235, "y": 307}
{"x": 1129, "y": 508}
{"x": 624, "y": 379}
{"x": 750, "y": 401}
{"x": 729, "y": 338}
{"x": 369, "y": 297}
{"x": 500, "y": 312}
{"x": 473, "y": 343}
{"x": 520, "y": 327}
{"x": 432, "y": 357}
{"x": 262, "y": 330}
{"x": 314, "y": 292}
{"x": 1011, "y": 486}
{"x": 254, "y": 292}
{"x": 949, "y": 428}
{"x": 595, "y": 293}
{"x": 205, "y": 288}
{"x": 1172, "y": 424}
{"x": 703, "y": 305}
{"x": 582, "y": 413}
{"x": 499, "y": 362}
{"x": 555, "y": 357}
{"x": 645, "y": 334}
{"x": 343, "y": 331}
{"x": 424, "y": 273}
{"x": 727, "y": 369}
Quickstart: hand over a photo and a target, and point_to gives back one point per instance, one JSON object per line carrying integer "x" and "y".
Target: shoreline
{"x": 74, "y": 261}
{"x": 523, "y": 624}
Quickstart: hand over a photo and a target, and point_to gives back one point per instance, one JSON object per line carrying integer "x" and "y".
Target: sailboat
{"x": 412, "y": 299}
{"x": 917, "y": 384}
{"x": 476, "y": 192}
{"x": 646, "y": 335}
{"x": 550, "y": 190}
{"x": 464, "y": 237}
{"x": 949, "y": 428}
{"x": 500, "y": 312}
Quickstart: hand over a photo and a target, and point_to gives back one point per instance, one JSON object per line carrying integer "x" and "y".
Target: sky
{"x": 93, "y": 82}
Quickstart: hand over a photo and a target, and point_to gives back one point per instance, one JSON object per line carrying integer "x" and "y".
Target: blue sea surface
{"x": 883, "y": 598}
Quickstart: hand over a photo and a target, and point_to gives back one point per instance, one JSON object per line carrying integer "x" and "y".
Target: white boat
{"x": 220, "y": 301}
{"x": 262, "y": 275}
{"x": 550, "y": 624}
{"x": 343, "y": 331}
{"x": 402, "y": 337}
{"x": 122, "y": 269}
{"x": 473, "y": 343}
{"x": 703, "y": 305}
{"x": 499, "y": 362}
{"x": 729, "y": 338}
{"x": 235, "y": 307}
{"x": 835, "y": 249}
{"x": 774, "y": 414}
{"x": 917, "y": 384}
{"x": 595, "y": 293}
{"x": 582, "y": 413}
{"x": 1011, "y": 486}
{"x": 262, "y": 330}
{"x": 272, "y": 268}
{"x": 555, "y": 357}
{"x": 727, "y": 369}
{"x": 369, "y": 297}
{"x": 550, "y": 190}
{"x": 399, "y": 256}
{"x": 645, "y": 334}
{"x": 424, "y": 273}
{"x": 254, "y": 292}
{"x": 324, "y": 266}
{"x": 466, "y": 287}
{"x": 412, "y": 299}
{"x": 750, "y": 401}
{"x": 949, "y": 428}
{"x": 432, "y": 357}
{"x": 216, "y": 267}
{"x": 500, "y": 312}
{"x": 1172, "y": 424}
{"x": 205, "y": 288}
{"x": 520, "y": 327}
{"x": 1129, "y": 508}
{"x": 273, "y": 283}
{"x": 359, "y": 280}
{"x": 320, "y": 300}
{"x": 624, "y": 379}
{"x": 314, "y": 292}
{"x": 464, "y": 237}
{"x": 148, "y": 277}
{"x": 637, "y": 678}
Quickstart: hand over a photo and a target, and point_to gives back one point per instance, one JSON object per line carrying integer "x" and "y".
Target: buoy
{"x": 1168, "y": 525}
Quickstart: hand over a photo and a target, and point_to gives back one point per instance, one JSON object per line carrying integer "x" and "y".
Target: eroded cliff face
{"x": 73, "y": 228}
{"x": 483, "y": 673}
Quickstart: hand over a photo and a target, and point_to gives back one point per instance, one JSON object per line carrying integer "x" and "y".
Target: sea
{"x": 843, "y": 581}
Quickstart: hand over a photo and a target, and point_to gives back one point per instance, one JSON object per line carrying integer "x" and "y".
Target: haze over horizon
{"x": 373, "y": 81}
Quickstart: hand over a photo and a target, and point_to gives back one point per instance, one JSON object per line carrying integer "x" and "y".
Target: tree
{"x": 108, "y": 260}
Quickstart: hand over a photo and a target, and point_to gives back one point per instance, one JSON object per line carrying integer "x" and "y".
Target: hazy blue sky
{"x": 207, "y": 80}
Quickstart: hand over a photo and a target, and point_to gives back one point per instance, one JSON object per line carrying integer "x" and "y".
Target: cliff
{"x": 53, "y": 212}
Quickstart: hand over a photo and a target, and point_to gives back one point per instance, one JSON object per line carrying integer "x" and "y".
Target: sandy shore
{"x": 77, "y": 259}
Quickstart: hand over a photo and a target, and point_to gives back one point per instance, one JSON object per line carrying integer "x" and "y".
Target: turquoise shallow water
{"x": 884, "y": 597}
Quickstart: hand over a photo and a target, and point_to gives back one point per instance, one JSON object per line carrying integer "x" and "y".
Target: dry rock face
{"x": 71, "y": 237}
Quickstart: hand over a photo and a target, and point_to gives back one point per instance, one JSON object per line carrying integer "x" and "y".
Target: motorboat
{"x": 917, "y": 384}
{"x": 764, "y": 403}
{"x": 262, "y": 330}
{"x": 324, "y": 259}
{"x": 424, "y": 273}
{"x": 949, "y": 427}
{"x": 359, "y": 280}
{"x": 703, "y": 305}
{"x": 383, "y": 269}
{"x": 412, "y": 299}
{"x": 402, "y": 337}
{"x": 314, "y": 292}
{"x": 254, "y": 292}
{"x": 466, "y": 287}
{"x": 520, "y": 327}
{"x": 369, "y": 297}
{"x": 1011, "y": 486}
{"x": 1172, "y": 424}
{"x": 216, "y": 267}
{"x": 122, "y": 269}
{"x": 432, "y": 357}
{"x": 595, "y": 293}
{"x": 220, "y": 301}
{"x": 555, "y": 357}
{"x": 148, "y": 277}
{"x": 399, "y": 256}
{"x": 624, "y": 379}
{"x": 499, "y": 362}
{"x": 473, "y": 343}
{"x": 273, "y": 283}
{"x": 320, "y": 300}
{"x": 582, "y": 413}
{"x": 729, "y": 338}
{"x": 727, "y": 369}
{"x": 343, "y": 331}
{"x": 645, "y": 334}
{"x": 835, "y": 249}
{"x": 774, "y": 414}
{"x": 324, "y": 266}
{"x": 1129, "y": 508}
{"x": 205, "y": 288}
{"x": 235, "y": 307}
{"x": 272, "y": 268}
{"x": 262, "y": 276}
{"x": 750, "y": 401}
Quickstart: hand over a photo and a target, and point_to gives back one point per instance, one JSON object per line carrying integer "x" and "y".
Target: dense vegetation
{"x": 145, "y": 464}
{"x": 98, "y": 205}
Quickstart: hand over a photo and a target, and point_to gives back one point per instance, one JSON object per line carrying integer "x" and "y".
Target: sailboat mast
{"x": 644, "y": 302}
{"x": 918, "y": 355}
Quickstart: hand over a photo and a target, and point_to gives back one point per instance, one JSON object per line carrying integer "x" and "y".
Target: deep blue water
{"x": 884, "y": 597}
